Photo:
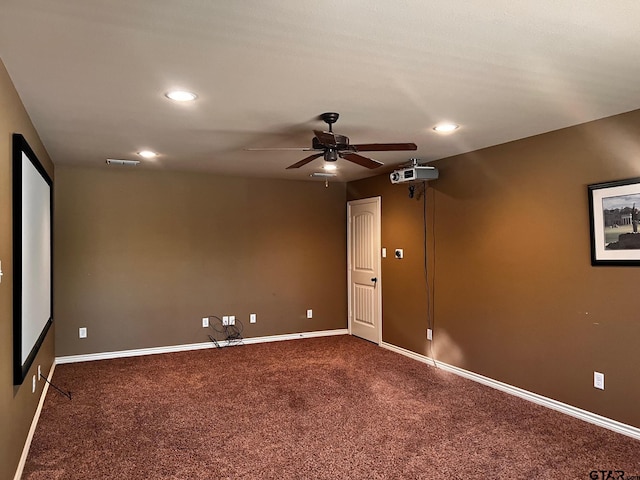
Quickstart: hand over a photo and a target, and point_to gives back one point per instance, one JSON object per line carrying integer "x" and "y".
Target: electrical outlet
{"x": 232, "y": 320}
{"x": 82, "y": 332}
{"x": 253, "y": 318}
{"x": 205, "y": 322}
{"x": 429, "y": 334}
{"x": 309, "y": 313}
{"x": 399, "y": 253}
{"x": 225, "y": 320}
{"x": 598, "y": 380}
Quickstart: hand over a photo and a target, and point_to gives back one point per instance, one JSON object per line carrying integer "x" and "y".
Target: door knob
{"x": 374, "y": 280}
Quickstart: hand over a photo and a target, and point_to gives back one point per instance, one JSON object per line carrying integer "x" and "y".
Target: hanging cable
{"x": 231, "y": 334}
{"x": 426, "y": 267}
{"x": 66, "y": 394}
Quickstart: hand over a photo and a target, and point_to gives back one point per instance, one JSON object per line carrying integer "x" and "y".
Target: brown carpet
{"x": 325, "y": 408}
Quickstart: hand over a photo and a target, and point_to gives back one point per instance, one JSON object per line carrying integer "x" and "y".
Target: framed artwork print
{"x": 614, "y": 213}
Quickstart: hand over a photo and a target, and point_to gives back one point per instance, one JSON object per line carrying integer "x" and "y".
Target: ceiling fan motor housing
{"x": 341, "y": 143}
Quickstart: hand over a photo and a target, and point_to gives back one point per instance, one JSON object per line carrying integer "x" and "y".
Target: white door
{"x": 363, "y": 263}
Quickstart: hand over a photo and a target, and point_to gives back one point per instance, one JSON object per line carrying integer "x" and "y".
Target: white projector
{"x": 413, "y": 174}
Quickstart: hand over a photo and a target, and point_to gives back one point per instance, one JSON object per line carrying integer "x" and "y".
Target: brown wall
{"x": 516, "y": 298}
{"x": 17, "y": 404}
{"x": 141, "y": 256}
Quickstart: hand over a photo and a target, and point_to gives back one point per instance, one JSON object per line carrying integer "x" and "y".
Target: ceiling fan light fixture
{"x": 446, "y": 127}
{"x": 331, "y": 155}
{"x": 181, "y": 96}
{"x": 330, "y": 166}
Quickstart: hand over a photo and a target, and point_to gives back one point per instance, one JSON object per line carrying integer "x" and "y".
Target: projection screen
{"x": 32, "y": 263}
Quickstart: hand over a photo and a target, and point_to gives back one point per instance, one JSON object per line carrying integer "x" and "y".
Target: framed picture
{"x": 32, "y": 261}
{"x": 614, "y": 212}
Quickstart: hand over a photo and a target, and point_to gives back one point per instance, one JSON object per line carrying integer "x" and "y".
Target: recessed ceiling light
{"x": 181, "y": 96}
{"x": 147, "y": 154}
{"x": 445, "y": 127}
{"x": 330, "y": 166}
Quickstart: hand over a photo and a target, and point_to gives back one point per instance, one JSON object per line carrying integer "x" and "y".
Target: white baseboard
{"x": 585, "y": 415}
{"x": 34, "y": 424}
{"x": 195, "y": 346}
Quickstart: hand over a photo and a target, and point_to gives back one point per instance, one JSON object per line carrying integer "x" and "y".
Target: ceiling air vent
{"x": 322, "y": 175}
{"x": 124, "y": 163}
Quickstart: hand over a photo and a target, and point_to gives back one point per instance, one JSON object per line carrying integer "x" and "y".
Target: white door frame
{"x": 378, "y": 234}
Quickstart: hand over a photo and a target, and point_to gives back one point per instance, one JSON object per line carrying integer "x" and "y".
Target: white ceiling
{"x": 92, "y": 75}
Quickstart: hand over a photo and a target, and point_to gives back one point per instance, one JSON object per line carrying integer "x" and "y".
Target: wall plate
{"x": 598, "y": 380}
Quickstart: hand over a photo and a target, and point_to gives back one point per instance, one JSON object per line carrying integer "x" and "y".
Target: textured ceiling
{"x": 92, "y": 75}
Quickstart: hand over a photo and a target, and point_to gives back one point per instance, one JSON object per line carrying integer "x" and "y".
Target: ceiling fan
{"x": 332, "y": 146}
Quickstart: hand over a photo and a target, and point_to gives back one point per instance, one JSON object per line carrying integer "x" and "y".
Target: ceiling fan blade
{"x": 383, "y": 147}
{"x": 280, "y": 149}
{"x": 360, "y": 160}
{"x": 326, "y": 138}
{"x": 304, "y": 161}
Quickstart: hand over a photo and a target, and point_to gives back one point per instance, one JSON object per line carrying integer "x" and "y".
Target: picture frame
{"x": 614, "y": 216}
{"x": 32, "y": 256}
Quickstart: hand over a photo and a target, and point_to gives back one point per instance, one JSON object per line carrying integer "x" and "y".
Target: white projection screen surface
{"x": 32, "y": 257}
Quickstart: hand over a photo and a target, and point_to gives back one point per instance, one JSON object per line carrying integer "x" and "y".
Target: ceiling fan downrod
{"x": 330, "y": 118}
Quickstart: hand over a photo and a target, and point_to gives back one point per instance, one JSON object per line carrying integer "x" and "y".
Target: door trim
{"x": 378, "y": 233}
